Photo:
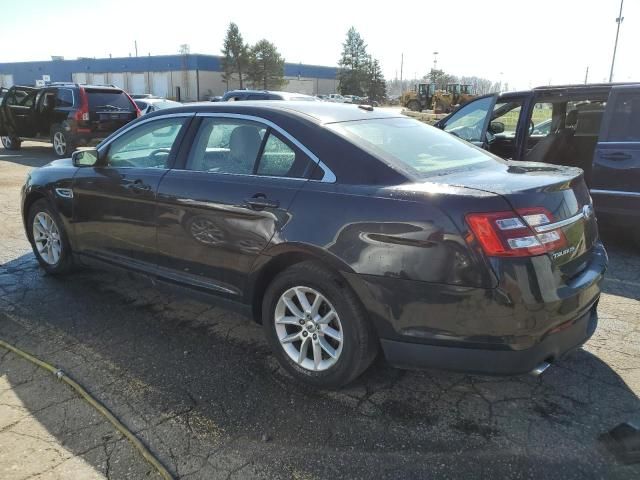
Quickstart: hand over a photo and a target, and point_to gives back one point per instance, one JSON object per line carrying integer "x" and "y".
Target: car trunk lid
{"x": 531, "y": 188}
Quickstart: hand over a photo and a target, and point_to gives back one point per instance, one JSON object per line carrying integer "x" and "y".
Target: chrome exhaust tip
{"x": 540, "y": 369}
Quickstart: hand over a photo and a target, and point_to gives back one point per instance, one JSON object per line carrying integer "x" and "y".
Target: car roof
{"x": 570, "y": 88}
{"x": 319, "y": 112}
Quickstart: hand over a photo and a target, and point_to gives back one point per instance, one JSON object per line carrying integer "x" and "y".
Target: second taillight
{"x": 82, "y": 114}
{"x": 514, "y": 234}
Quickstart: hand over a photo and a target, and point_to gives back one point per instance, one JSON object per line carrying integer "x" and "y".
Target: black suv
{"x": 66, "y": 114}
{"x": 595, "y": 127}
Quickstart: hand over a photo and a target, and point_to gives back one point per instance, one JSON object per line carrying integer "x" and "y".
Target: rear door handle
{"x": 260, "y": 202}
{"x": 615, "y": 156}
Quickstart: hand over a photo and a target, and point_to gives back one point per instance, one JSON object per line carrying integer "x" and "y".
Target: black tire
{"x": 414, "y": 106}
{"x": 64, "y": 263}
{"x": 11, "y": 143}
{"x": 63, "y": 145}
{"x": 359, "y": 341}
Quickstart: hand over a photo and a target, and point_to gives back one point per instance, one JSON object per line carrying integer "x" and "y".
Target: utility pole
{"x": 435, "y": 60}
{"x": 401, "y": 67}
{"x": 615, "y": 46}
{"x": 586, "y": 75}
{"x": 135, "y": 44}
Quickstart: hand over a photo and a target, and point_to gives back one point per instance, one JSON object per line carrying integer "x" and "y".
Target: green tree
{"x": 235, "y": 55}
{"x": 266, "y": 66}
{"x": 376, "y": 85}
{"x": 440, "y": 78}
{"x": 353, "y": 64}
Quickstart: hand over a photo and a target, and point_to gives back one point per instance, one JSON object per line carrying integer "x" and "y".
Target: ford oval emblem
{"x": 587, "y": 212}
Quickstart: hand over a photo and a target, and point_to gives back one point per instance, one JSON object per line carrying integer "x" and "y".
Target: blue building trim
{"x": 61, "y": 70}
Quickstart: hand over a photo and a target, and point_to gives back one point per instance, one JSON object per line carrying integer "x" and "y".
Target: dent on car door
{"x": 115, "y": 201}
{"x": 471, "y": 121}
{"x": 616, "y": 163}
{"x": 227, "y": 199}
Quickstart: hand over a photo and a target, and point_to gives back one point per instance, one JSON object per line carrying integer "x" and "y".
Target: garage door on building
{"x": 160, "y": 84}
{"x": 137, "y": 83}
{"x": 117, "y": 79}
{"x": 98, "y": 79}
{"x": 80, "y": 78}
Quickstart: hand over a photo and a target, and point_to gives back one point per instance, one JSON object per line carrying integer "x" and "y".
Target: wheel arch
{"x": 281, "y": 257}
{"x": 30, "y": 198}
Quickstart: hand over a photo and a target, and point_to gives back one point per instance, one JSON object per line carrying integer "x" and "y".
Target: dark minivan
{"x": 593, "y": 127}
{"x": 342, "y": 229}
{"x": 66, "y": 114}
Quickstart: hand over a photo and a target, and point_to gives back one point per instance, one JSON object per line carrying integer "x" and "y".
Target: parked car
{"x": 593, "y": 127}
{"x": 437, "y": 252}
{"x": 215, "y": 98}
{"x": 66, "y": 114}
{"x": 337, "y": 98}
{"x": 240, "y": 95}
{"x": 148, "y": 105}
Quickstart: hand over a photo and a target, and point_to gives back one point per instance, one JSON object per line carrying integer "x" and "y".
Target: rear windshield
{"x": 413, "y": 145}
{"x": 108, "y": 100}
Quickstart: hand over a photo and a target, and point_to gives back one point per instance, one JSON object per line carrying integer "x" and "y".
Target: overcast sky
{"x": 526, "y": 43}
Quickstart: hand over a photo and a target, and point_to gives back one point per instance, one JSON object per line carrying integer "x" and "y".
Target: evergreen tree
{"x": 235, "y": 55}
{"x": 353, "y": 64}
{"x": 266, "y": 66}
{"x": 376, "y": 84}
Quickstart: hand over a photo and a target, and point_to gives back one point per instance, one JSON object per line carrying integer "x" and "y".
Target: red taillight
{"x": 514, "y": 234}
{"x": 135, "y": 105}
{"x": 82, "y": 114}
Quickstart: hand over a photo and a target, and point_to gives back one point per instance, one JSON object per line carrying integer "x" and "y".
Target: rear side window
{"x": 109, "y": 100}
{"x": 64, "y": 98}
{"x": 625, "y": 120}
{"x": 279, "y": 159}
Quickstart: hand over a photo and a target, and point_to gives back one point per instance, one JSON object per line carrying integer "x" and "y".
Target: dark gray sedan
{"x": 343, "y": 229}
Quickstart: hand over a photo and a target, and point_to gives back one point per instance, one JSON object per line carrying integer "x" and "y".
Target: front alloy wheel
{"x": 308, "y": 328}
{"x": 46, "y": 237}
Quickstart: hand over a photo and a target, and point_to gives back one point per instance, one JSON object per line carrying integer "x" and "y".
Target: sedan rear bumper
{"x": 495, "y": 362}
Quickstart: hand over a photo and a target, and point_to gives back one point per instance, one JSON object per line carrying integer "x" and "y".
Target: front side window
{"x": 146, "y": 146}
{"x": 468, "y": 122}
{"x": 505, "y": 117}
{"x": 411, "y": 144}
{"x": 21, "y": 98}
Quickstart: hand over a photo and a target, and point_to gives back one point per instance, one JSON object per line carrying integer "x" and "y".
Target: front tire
{"x": 11, "y": 143}
{"x": 62, "y": 144}
{"x": 48, "y": 239}
{"x": 316, "y": 326}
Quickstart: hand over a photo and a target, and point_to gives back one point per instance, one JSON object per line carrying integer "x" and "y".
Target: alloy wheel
{"x": 308, "y": 328}
{"x": 46, "y": 237}
{"x": 6, "y": 142}
{"x": 59, "y": 143}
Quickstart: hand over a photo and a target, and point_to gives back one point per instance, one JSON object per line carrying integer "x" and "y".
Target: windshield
{"x": 409, "y": 143}
{"x": 108, "y": 100}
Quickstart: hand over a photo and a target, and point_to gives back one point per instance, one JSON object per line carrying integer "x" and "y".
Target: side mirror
{"x": 496, "y": 127}
{"x": 85, "y": 158}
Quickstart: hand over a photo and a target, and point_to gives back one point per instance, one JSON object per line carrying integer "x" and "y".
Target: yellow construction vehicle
{"x": 455, "y": 95}
{"x": 420, "y": 98}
